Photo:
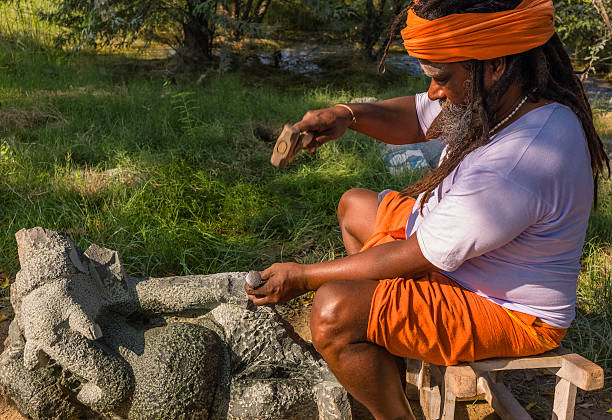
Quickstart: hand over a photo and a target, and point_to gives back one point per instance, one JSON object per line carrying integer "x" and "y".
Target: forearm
{"x": 390, "y": 260}
{"x": 392, "y": 121}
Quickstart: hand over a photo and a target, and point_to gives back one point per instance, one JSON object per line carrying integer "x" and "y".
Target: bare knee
{"x": 357, "y": 210}
{"x": 340, "y": 313}
{"x": 349, "y": 200}
{"x": 326, "y": 321}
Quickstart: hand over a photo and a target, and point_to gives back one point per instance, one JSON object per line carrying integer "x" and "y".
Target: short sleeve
{"x": 481, "y": 212}
{"x": 426, "y": 109}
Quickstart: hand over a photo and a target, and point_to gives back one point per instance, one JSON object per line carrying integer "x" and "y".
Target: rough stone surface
{"x": 177, "y": 372}
{"x": 88, "y": 338}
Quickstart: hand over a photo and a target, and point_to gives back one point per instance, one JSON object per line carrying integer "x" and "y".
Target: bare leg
{"x": 357, "y": 217}
{"x": 338, "y": 323}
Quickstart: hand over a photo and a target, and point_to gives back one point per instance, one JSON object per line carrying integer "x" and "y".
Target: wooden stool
{"x": 438, "y": 387}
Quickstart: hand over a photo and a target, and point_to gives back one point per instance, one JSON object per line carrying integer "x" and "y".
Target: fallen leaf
{"x": 550, "y": 394}
{"x": 3, "y": 317}
{"x": 530, "y": 406}
{"x": 4, "y": 280}
{"x": 609, "y": 411}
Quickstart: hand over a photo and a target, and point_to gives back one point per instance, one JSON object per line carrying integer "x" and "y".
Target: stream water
{"x": 305, "y": 59}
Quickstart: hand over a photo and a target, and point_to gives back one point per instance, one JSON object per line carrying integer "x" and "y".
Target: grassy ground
{"x": 176, "y": 177}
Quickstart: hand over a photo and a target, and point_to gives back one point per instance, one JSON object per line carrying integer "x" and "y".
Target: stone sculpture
{"x": 88, "y": 339}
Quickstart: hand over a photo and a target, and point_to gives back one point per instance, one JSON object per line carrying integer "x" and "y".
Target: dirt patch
{"x": 93, "y": 181}
{"x": 265, "y": 133}
{"x": 534, "y": 389}
{"x": 7, "y": 411}
{"x": 14, "y": 118}
{"x": 297, "y": 313}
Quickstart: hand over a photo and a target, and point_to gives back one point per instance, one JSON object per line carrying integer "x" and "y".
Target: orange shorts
{"x": 434, "y": 319}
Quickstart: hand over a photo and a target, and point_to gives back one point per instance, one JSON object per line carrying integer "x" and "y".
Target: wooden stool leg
{"x": 448, "y": 410}
{"x": 413, "y": 368}
{"x": 459, "y": 382}
{"x": 565, "y": 399}
{"x": 431, "y": 384}
{"x": 501, "y": 399}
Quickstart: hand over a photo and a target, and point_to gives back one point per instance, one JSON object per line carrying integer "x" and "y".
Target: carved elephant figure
{"x": 177, "y": 347}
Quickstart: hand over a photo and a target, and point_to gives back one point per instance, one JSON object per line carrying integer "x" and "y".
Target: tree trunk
{"x": 599, "y": 6}
{"x": 375, "y": 25}
{"x": 371, "y": 28}
{"x": 252, "y": 14}
{"x": 397, "y": 8}
{"x": 247, "y": 10}
{"x": 261, "y": 10}
{"x": 198, "y": 37}
{"x": 236, "y": 30}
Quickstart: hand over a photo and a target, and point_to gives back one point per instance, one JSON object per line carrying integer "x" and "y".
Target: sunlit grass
{"x": 591, "y": 331}
{"x": 172, "y": 177}
{"x": 603, "y": 125}
{"x": 20, "y": 22}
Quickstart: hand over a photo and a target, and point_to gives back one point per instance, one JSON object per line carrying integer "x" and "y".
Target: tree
{"x": 368, "y": 21}
{"x": 585, "y": 28}
{"x": 188, "y": 26}
{"x": 377, "y": 18}
{"x": 245, "y": 12}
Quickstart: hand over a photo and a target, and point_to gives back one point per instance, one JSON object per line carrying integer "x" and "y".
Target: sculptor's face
{"x": 452, "y": 85}
{"x": 449, "y": 81}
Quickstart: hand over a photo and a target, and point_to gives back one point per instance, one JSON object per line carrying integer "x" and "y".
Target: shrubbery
{"x": 193, "y": 27}
{"x": 584, "y": 28}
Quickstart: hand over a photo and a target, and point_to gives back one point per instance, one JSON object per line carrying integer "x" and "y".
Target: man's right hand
{"x": 283, "y": 282}
{"x": 325, "y": 124}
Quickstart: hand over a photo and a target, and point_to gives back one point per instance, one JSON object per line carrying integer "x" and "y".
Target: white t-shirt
{"x": 509, "y": 222}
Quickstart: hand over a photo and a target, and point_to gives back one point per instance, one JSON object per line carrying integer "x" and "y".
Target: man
{"x": 485, "y": 262}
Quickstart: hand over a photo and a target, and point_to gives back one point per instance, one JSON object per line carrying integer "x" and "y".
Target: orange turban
{"x": 480, "y": 36}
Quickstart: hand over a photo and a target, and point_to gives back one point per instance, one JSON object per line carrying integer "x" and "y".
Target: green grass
{"x": 19, "y": 20}
{"x": 111, "y": 150}
{"x": 591, "y": 331}
{"x": 193, "y": 191}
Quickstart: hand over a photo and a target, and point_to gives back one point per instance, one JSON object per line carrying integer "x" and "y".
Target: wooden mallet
{"x": 288, "y": 145}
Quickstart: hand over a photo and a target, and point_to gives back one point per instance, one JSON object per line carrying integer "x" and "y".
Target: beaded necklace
{"x": 505, "y": 120}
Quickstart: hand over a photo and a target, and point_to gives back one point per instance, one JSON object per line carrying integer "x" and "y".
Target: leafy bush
{"x": 582, "y": 26}
{"x": 189, "y": 26}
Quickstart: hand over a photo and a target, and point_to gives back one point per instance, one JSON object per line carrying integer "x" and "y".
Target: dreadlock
{"x": 545, "y": 71}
